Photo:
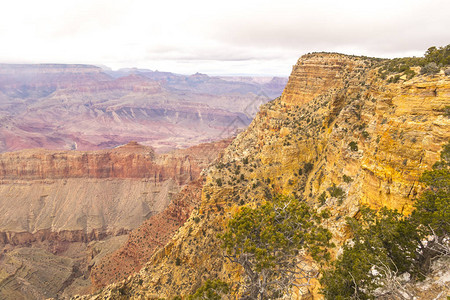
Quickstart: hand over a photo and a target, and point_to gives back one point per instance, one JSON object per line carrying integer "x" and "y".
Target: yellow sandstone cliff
{"x": 336, "y": 126}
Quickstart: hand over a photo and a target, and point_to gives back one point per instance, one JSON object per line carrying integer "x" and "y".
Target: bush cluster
{"x": 433, "y": 60}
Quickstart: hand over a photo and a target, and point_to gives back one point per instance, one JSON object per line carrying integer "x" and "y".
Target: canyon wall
{"x": 337, "y": 125}
{"x": 84, "y": 195}
{"x": 72, "y": 208}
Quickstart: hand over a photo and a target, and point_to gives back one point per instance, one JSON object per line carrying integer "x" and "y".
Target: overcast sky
{"x": 215, "y": 37}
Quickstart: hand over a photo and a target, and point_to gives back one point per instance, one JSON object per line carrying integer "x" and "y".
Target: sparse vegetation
{"x": 430, "y": 68}
{"x": 308, "y": 167}
{"x": 336, "y": 191}
{"x": 394, "y": 79}
{"x": 322, "y": 198}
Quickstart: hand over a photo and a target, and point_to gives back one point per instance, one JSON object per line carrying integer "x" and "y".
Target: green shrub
{"x": 440, "y": 56}
{"x": 379, "y": 240}
{"x": 347, "y": 179}
{"x": 308, "y": 167}
{"x": 437, "y": 57}
{"x": 211, "y": 290}
{"x": 394, "y": 79}
{"x": 322, "y": 198}
{"x": 430, "y": 68}
{"x": 336, "y": 191}
{"x": 432, "y": 209}
{"x": 353, "y": 146}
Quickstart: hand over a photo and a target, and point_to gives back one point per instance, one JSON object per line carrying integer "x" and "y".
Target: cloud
{"x": 380, "y": 28}
{"x": 216, "y": 37}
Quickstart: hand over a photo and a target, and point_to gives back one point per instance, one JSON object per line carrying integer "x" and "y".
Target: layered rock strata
{"x": 339, "y": 137}
{"x": 74, "y": 207}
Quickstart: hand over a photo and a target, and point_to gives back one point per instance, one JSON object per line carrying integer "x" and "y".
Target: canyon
{"x": 84, "y": 107}
{"x": 77, "y": 195}
{"x": 141, "y": 222}
{"x": 62, "y": 211}
{"x": 337, "y": 125}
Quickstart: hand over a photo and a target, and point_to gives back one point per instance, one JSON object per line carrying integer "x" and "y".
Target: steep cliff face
{"x": 88, "y": 194}
{"x": 339, "y": 137}
{"x": 314, "y": 74}
{"x": 129, "y": 161}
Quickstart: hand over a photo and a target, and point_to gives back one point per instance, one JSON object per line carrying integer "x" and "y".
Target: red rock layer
{"x": 129, "y": 161}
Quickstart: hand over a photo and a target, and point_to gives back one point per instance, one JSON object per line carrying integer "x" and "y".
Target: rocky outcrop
{"x": 315, "y": 74}
{"x": 337, "y": 127}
